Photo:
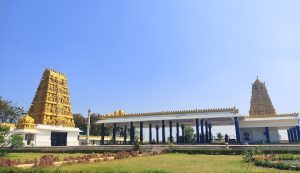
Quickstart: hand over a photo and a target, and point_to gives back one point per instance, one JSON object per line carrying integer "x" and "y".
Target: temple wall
{"x": 257, "y": 135}
{"x": 43, "y": 138}
{"x": 72, "y": 139}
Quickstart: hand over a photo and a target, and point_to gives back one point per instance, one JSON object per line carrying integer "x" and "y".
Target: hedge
{"x": 232, "y": 151}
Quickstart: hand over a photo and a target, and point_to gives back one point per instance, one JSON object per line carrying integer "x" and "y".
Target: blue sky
{"x": 145, "y": 56}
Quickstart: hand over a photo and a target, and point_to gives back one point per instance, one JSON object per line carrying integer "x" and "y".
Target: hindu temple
{"x": 49, "y": 121}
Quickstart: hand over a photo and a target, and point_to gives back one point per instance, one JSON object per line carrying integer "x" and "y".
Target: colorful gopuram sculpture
{"x": 51, "y": 103}
{"x": 26, "y": 122}
{"x": 261, "y": 104}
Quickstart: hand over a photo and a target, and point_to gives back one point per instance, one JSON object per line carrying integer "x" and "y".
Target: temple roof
{"x": 121, "y": 113}
{"x": 295, "y": 114}
{"x": 8, "y": 125}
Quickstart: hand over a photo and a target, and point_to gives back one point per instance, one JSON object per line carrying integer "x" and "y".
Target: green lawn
{"x": 177, "y": 163}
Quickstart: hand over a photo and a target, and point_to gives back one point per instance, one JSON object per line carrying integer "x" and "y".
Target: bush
{"x": 134, "y": 153}
{"x": 9, "y": 143}
{"x": 47, "y": 161}
{"x": 210, "y": 151}
{"x": 284, "y": 162}
{"x": 251, "y": 153}
{"x": 287, "y": 157}
{"x": 7, "y": 162}
{"x": 122, "y": 155}
{"x": 20, "y": 170}
{"x": 136, "y": 143}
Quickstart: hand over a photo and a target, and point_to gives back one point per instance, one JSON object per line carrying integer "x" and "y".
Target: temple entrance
{"x": 29, "y": 138}
{"x": 58, "y": 138}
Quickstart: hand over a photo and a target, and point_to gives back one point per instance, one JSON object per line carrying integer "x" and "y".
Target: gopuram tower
{"x": 261, "y": 104}
{"x": 51, "y": 103}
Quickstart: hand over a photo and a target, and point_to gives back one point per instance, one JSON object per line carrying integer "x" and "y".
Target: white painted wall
{"x": 72, "y": 139}
{"x": 257, "y": 135}
{"x": 43, "y": 138}
{"x": 42, "y": 135}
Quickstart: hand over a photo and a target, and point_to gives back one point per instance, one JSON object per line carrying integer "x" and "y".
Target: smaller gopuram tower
{"x": 51, "y": 103}
{"x": 261, "y": 104}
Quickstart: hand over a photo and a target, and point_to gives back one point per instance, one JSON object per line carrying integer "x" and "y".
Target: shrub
{"x": 283, "y": 162}
{"x": 81, "y": 159}
{"x": 281, "y": 165}
{"x": 122, "y": 155}
{"x": 47, "y": 161}
{"x": 134, "y": 153}
{"x": 251, "y": 153}
{"x": 7, "y": 162}
{"x": 136, "y": 143}
{"x": 108, "y": 154}
{"x": 287, "y": 157}
{"x": 9, "y": 143}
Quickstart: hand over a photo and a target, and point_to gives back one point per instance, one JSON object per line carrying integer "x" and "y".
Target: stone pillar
{"x": 183, "y": 137}
{"x": 131, "y": 133}
{"x": 289, "y": 135}
{"x": 102, "y": 134}
{"x": 150, "y": 133}
{"x": 298, "y": 132}
{"x": 295, "y": 134}
{"x": 206, "y": 132}
{"x": 114, "y": 133}
{"x": 292, "y": 135}
{"x": 88, "y": 128}
{"x": 197, "y": 131}
{"x": 237, "y": 130}
{"x": 267, "y": 133}
{"x": 141, "y": 132}
{"x": 171, "y": 135}
{"x": 202, "y": 132}
{"x": 157, "y": 134}
{"x": 125, "y": 134}
{"x": 163, "y": 132}
{"x": 209, "y": 133}
{"x": 177, "y": 133}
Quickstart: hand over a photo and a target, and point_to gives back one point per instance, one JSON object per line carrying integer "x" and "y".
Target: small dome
{"x": 119, "y": 113}
{"x": 26, "y": 122}
{"x": 258, "y": 81}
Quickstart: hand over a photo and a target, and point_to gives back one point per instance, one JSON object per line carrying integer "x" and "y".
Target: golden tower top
{"x": 26, "y": 122}
{"x": 51, "y": 103}
{"x": 261, "y": 104}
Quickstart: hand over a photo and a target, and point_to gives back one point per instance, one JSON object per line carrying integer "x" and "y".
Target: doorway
{"x": 58, "y": 138}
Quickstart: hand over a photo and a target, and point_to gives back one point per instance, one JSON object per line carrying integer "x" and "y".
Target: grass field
{"x": 175, "y": 163}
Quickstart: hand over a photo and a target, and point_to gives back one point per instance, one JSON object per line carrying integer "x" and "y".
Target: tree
{"x": 9, "y": 111}
{"x": 9, "y": 143}
{"x": 80, "y": 122}
{"x": 189, "y": 134}
{"x": 95, "y": 129}
{"x": 219, "y": 136}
